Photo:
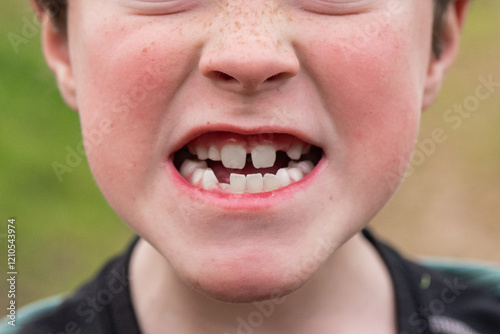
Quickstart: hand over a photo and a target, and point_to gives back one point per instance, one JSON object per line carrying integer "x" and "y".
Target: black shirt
{"x": 428, "y": 302}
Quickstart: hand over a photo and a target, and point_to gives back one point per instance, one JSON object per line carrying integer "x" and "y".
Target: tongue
{"x": 222, "y": 173}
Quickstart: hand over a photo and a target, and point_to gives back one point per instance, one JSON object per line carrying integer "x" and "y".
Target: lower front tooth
{"x": 209, "y": 179}
{"x": 255, "y": 183}
{"x": 237, "y": 183}
{"x": 271, "y": 182}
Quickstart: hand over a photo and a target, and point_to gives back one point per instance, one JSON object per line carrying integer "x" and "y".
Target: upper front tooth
{"x": 294, "y": 152}
{"x": 213, "y": 153}
{"x": 263, "y": 156}
{"x": 233, "y": 156}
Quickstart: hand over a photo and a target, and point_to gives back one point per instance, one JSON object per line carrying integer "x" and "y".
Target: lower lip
{"x": 247, "y": 201}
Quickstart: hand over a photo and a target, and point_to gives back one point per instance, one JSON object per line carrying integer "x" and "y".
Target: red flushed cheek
{"x": 374, "y": 96}
{"x": 122, "y": 106}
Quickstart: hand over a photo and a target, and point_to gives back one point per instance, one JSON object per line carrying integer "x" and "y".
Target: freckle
{"x": 331, "y": 198}
{"x": 208, "y": 123}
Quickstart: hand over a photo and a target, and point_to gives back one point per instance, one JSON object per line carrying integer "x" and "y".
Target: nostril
{"x": 223, "y": 76}
{"x": 274, "y": 77}
{"x": 277, "y": 77}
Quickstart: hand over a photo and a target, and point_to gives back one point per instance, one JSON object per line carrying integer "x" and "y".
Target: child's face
{"x": 347, "y": 77}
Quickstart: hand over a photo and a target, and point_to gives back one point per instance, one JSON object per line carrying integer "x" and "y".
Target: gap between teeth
{"x": 198, "y": 174}
{"x": 234, "y": 156}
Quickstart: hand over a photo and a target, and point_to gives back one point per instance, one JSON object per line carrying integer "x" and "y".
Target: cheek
{"x": 374, "y": 98}
{"x": 123, "y": 93}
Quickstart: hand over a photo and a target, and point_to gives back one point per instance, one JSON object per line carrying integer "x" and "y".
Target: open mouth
{"x": 238, "y": 164}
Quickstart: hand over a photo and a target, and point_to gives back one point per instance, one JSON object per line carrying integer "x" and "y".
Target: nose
{"x": 247, "y": 56}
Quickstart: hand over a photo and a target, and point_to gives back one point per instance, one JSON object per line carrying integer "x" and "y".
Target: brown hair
{"x": 439, "y": 12}
{"x": 58, "y": 8}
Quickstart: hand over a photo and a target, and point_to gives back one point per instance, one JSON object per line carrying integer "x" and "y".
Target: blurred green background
{"x": 450, "y": 205}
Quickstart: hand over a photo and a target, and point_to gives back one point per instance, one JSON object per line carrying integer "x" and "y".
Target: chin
{"x": 249, "y": 288}
{"x": 250, "y": 274}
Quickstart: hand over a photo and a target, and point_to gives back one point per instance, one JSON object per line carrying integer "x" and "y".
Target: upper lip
{"x": 242, "y": 130}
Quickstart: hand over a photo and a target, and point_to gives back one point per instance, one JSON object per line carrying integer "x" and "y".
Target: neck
{"x": 353, "y": 284}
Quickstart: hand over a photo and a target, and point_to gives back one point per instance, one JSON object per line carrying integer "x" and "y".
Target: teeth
{"x": 197, "y": 176}
{"x": 295, "y": 174}
{"x": 263, "y": 156}
{"x": 213, "y": 153}
{"x": 209, "y": 179}
{"x": 238, "y": 183}
{"x": 233, "y": 156}
{"x": 201, "y": 152}
{"x": 271, "y": 182}
{"x": 255, "y": 183}
{"x": 189, "y": 166}
{"x": 252, "y": 183}
{"x": 295, "y": 152}
{"x": 283, "y": 177}
{"x": 305, "y": 166}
